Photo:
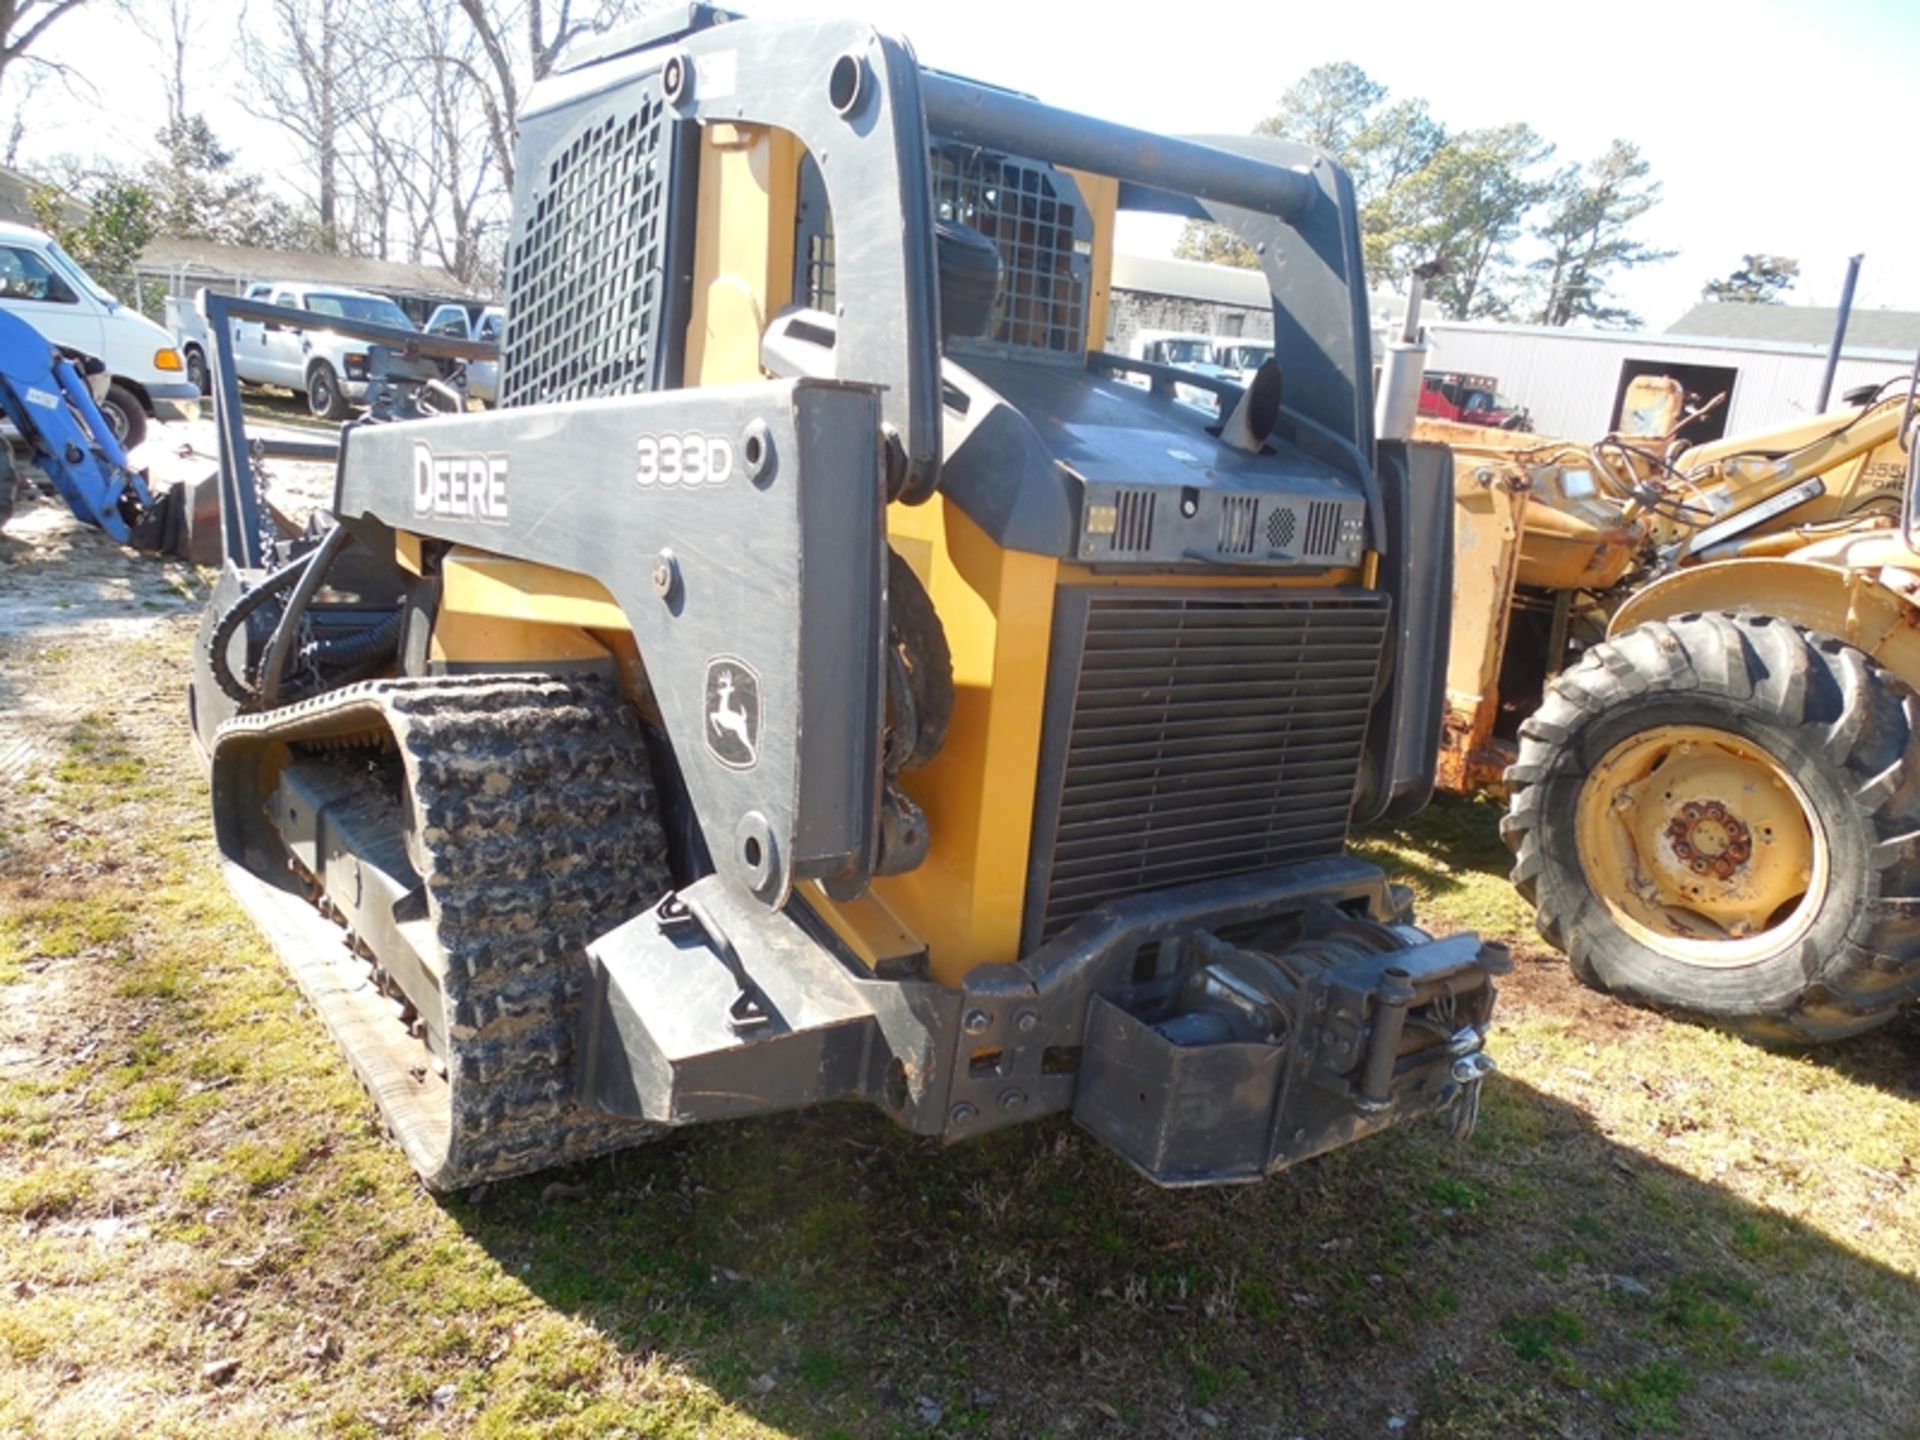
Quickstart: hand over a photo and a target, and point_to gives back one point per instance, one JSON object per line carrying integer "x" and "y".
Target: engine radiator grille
{"x": 1194, "y": 734}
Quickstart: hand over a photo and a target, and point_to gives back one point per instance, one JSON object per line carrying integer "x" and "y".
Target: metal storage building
{"x": 1572, "y": 380}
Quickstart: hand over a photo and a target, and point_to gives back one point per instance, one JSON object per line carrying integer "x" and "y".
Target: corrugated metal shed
{"x": 1569, "y": 379}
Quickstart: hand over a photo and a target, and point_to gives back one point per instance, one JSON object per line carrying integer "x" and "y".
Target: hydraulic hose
{"x": 363, "y": 649}
{"x": 233, "y": 686}
{"x": 360, "y": 652}
{"x": 288, "y": 628}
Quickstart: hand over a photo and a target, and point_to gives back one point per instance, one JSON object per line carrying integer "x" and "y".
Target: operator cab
{"x": 1139, "y": 436}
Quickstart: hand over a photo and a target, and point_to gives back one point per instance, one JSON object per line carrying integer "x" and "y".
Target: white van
{"x": 46, "y": 287}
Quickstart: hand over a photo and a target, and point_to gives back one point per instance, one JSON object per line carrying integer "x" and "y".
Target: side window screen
{"x": 813, "y": 240}
{"x": 1033, "y": 215}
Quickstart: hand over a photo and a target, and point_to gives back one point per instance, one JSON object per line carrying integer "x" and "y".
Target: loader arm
{"x": 45, "y": 395}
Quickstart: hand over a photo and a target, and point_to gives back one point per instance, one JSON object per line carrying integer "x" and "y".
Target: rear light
{"x": 167, "y": 360}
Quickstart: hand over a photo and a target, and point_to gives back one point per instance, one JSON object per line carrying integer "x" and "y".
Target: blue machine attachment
{"x": 45, "y": 395}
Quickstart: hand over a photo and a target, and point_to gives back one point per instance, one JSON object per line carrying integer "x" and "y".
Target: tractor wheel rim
{"x": 1702, "y": 845}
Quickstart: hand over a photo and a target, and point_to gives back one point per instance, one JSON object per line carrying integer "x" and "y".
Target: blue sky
{"x": 1779, "y": 127}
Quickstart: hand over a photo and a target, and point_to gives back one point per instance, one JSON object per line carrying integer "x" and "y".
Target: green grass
{"x": 1657, "y": 1229}
{"x": 1453, "y": 859}
{"x": 1648, "y": 1395}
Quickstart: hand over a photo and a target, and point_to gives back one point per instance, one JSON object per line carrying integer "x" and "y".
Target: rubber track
{"x": 536, "y": 829}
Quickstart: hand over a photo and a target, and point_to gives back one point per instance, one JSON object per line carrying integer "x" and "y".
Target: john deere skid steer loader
{"x": 825, "y": 677}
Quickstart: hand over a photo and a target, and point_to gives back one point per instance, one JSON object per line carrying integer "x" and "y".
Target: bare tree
{"x": 402, "y": 112}
{"x": 470, "y": 186}
{"x": 17, "y": 122}
{"x": 23, "y": 24}
{"x": 545, "y": 34}
{"x": 311, "y": 76}
{"x": 170, "y": 25}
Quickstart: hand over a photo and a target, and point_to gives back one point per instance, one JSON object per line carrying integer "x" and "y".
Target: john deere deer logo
{"x": 733, "y": 712}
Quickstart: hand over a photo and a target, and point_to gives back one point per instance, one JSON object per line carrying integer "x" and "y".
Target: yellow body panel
{"x": 1488, "y": 506}
{"x": 1101, "y": 194}
{"x": 1871, "y": 604}
{"x": 493, "y": 585}
{"x": 1559, "y": 551}
{"x": 494, "y": 611}
{"x": 965, "y": 901}
{"x": 743, "y": 252}
{"x": 407, "y": 551}
{"x": 869, "y": 928}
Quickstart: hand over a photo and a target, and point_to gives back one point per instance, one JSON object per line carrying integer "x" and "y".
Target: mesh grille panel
{"x": 1323, "y": 528}
{"x": 819, "y": 262}
{"x": 585, "y": 270}
{"x": 1022, "y": 209}
{"x": 1210, "y": 735}
{"x": 1280, "y": 525}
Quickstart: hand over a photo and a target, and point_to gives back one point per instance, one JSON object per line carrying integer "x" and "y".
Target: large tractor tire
{"x": 1721, "y": 814}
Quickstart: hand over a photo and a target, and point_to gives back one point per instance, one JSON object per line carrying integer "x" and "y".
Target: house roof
{"x": 15, "y": 188}
{"x": 1800, "y": 324}
{"x": 198, "y": 262}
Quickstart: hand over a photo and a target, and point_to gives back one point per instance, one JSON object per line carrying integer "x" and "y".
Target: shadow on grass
{"x": 1460, "y": 832}
{"x": 831, "y": 1276}
{"x": 1887, "y": 1058}
{"x": 1453, "y": 857}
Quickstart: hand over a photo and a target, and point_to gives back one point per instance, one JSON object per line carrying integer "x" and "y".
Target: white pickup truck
{"x": 46, "y": 287}
{"x": 310, "y": 360}
{"x": 474, "y": 322}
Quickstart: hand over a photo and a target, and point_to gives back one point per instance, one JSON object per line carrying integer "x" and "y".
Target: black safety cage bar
{"x": 242, "y": 539}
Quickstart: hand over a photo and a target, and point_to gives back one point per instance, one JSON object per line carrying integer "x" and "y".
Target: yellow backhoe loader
{"x": 1718, "y": 808}
{"x": 1552, "y": 536}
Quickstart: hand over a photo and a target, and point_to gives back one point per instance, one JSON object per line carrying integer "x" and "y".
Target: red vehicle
{"x": 1472, "y": 400}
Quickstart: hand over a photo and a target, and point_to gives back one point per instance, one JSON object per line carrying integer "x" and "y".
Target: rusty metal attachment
{"x": 1710, "y": 838}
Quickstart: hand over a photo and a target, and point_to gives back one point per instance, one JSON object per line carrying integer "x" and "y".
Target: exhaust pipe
{"x": 1403, "y": 369}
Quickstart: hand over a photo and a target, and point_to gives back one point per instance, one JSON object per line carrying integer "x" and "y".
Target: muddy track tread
{"x": 537, "y": 820}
